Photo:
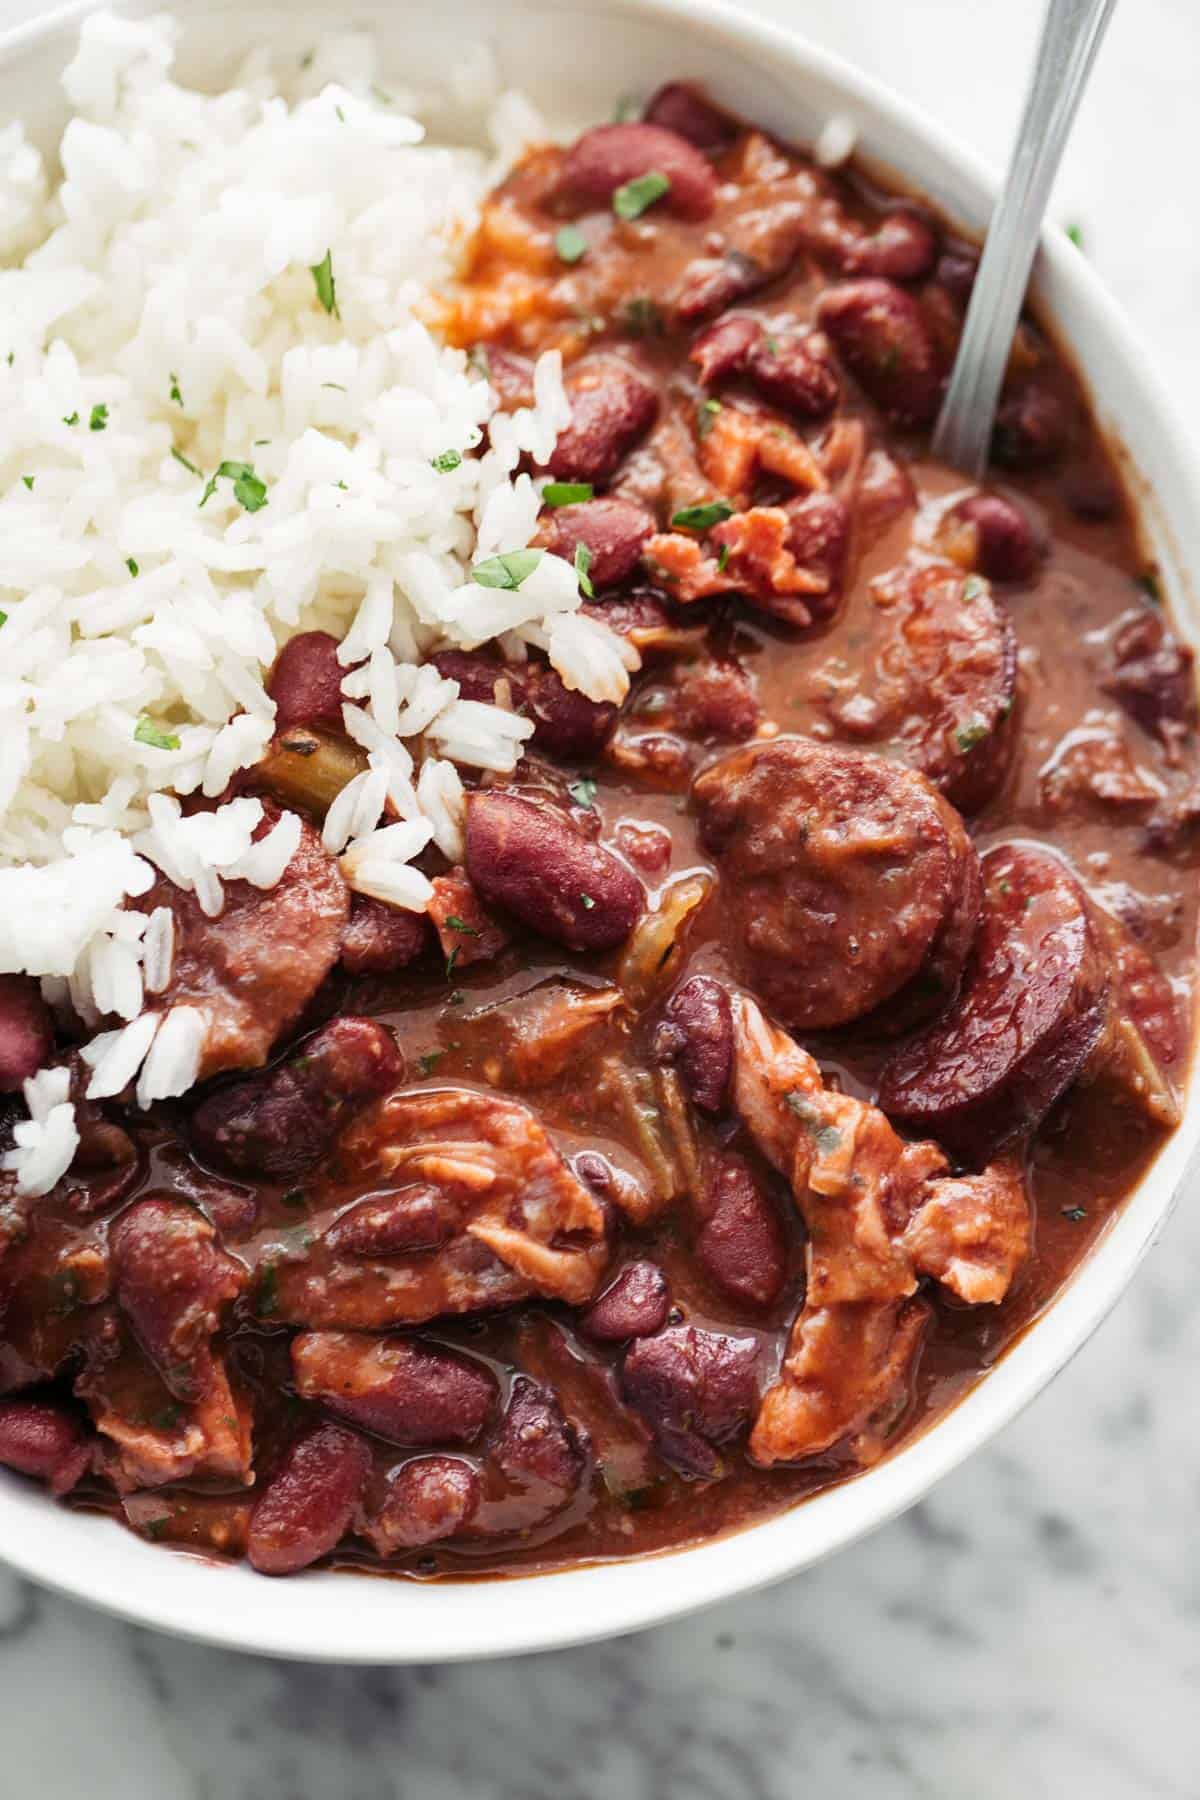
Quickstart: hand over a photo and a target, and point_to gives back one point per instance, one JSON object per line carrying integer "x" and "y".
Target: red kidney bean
{"x": 307, "y": 1505}
{"x": 683, "y": 109}
{"x": 396, "y": 1224}
{"x": 1152, "y": 677}
{"x": 696, "y": 1033}
{"x": 818, "y": 536}
{"x": 724, "y": 348}
{"x": 44, "y": 1439}
{"x": 510, "y": 377}
{"x": 695, "y": 1389}
{"x": 613, "y": 531}
{"x": 608, "y": 156}
{"x": 173, "y": 1282}
{"x": 792, "y": 371}
{"x": 956, "y": 271}
{"x": 902, "y": 249}
{"x": 881, "y": 336}
{"x": 1031, "y": 429}
{"x": 565, "y": 722}
{"x": 399, "y": 1388}
{"x": 648, "y": 847}
{"x": 530, "y": 861}
{"x": 379, "y": 939}
{"x": 711, "y": 283}
{"x": 26, "y": 1031}
{"x": 635, "y": 1305}
{"x": 741, "y": 1243}
{"x": 612, "y": 409}
{"x": 306, "y": 682}
{"x": 279, "y": 1123}
{"x": 1005, "y": 547}
{"x": 536, "y": 1447}
{"x": 426, "y": 1500}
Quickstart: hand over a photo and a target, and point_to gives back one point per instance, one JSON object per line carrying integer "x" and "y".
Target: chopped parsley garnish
{"x": 508, "y": 570}
{"x": 973, "y": 587}
{"x": 628, "y": 109}
{"x": 1074, "y": 1213}
{"x": 583, "y": 791}
{"x": 454, "y": 923}
{"x": 429, "y": 1062}
{"x": 11, "y": 358}
{"x": 322, "y": 274}
{"x": 1075, "y": 233}
{"x": 706, "y": 418}
{"x": 176, "y": 396}
{"x": 447, "y": 462}
{"x": 641, "y": 317}
{"x": 1149, "y": 584}
{"x": 28, "y": 480}
{"x": 450, "y": 962}
{"x": 631, "y": 200}
{"x": 189, "y": 466}
{"x": 570, "y": 245}
{"x": 566, "y": 493}
{"x": 3, "y": 618}
{"x": 827, "y": 1138}
{"x": 723, "y": 559}
{"x": 583, "y": 562}
{"x": 147, "y": 732}
{"x": 131, "y": 565}
{"x": 248, "y": 490}
{"x": 99, "y": 418}
{"x": 71, "y": 419}
{"x": 267, "y": 1298}
{"x": 295, "y": 1198}
{"x": 702, "y": 518}
{"x": 586, "y": 901}
{"x": 968, "y": 736}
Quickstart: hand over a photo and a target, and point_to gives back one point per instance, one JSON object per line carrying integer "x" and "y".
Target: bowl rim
{"x": 324, "y": 1615}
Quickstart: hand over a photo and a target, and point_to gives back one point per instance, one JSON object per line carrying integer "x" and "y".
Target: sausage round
{"x": 1029, "y": 1015}
{"x": 849, "y": 880}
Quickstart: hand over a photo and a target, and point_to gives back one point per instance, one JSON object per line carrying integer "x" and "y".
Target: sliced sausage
{"x": 426, "y": 1500}
{"x": 1029, "y": 1015}
{"x": 280, "y": 1123}
{"x": 306, "y": 682}
{"x": 530, "y": 861}
{"x": 849, "y": 880}
{"x": 741, "y": 1243}
{"x": 307, "y": 1506}
{"x": 880, "y": 334}
{"x": 612, "y": 409}
{"x": 402, "y": 1390}
{"x": 608, "y": 156}
{"x": 943, "y": 683}
{"x": 614, "y": 533}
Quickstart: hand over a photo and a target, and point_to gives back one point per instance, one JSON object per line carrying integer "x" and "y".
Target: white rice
{"x": 167, "y": 305}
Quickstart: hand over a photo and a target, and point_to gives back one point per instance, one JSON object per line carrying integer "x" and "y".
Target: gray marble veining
{"x": 1033, "y": 1629}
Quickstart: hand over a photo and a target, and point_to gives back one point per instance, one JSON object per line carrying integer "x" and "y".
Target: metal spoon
{"x": 1071, "y": 35}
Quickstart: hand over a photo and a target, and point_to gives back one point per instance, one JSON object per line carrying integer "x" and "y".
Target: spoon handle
{"x": 1071, "y": 35}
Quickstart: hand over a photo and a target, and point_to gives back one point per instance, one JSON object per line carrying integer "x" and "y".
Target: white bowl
{"x": 576, "y": 57}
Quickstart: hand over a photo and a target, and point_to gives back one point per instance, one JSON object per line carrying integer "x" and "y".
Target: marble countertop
{"x": 1033, "y": 1629}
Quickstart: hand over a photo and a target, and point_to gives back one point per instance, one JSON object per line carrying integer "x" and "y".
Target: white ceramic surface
{"x": 628, "y": 44}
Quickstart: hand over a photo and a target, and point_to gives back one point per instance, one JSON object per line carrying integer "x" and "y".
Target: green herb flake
{"x": 1075, "y": 233}
{"x": 11, "y": 358}
{"x": 447, "y": 462}
{"x": 1074, "y": 1213}
{"x": 706, "y": 417}
{"x": 167, "y": 1418}
{"x": 723, "y": 559}
{"x": 3, "y": 618}
{"x": 631, "y": 200}
{"x": 570, "y": 245}
{"x": 702, "y": 518}
{"x": 583, "y": 562}
{"x": 454, "y": 923}
{"x": 28, "y": 480}
{"x": 131, "y": 565}
{"x": 147, "y": 732}
{"x": 342, "y": 120}
{"x": 586, "y": 901}
{"x": 583, "y": 791}
{"x": 973, "y": 588}
{"x": 969, "y": 735}
{"x": 641, "y": 317}
{"x": 295, "y": 1198}
{"x": 429, "y": 1062}
{"x": 450, "y": 962}
{"x": 99, "y": 418}
{"x": 322, "y": 274}
{"x": 508, "y": 570}
{"x": 627, "y": 110}
{"x": 175, "y": 394}
{"x": 827, "y": 1138}
{"x": 567, "y": 493}
{"x": 248, "y": 490}
{"x": 266, "y": 1301}
{"x": 189, "y": 466}
{"x": 71, "y": 419}
{"x": 1149, "y": 583}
